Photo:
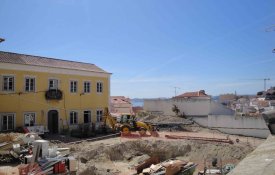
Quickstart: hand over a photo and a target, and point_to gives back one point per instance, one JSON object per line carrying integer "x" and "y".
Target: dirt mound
{"x": 163, "y": 119}
{"x": 120, "y": 158}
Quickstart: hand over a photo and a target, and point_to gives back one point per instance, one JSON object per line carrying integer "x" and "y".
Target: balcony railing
{"x": 53, "y": 94}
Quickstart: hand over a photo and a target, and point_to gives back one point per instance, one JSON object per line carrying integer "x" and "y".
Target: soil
{"x": 121, "y": 155}
{"x": 163, "y": 119}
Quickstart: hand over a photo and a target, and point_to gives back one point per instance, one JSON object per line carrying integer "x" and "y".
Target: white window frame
{"x": 26, "y": 115}
{"x": 99, "y": 89}
{"x": 73, "y": 86}
{"x": 89, "y": 117}
{"x": 2, "y": 121}
{"x": 3, "y": 83}
{"x": 84, "y": 87}
{"x": 75, "y": 117}
{"x": 29, "y": 88}
{"x": 99, "y": 116}
{"x": 55, "y": 83}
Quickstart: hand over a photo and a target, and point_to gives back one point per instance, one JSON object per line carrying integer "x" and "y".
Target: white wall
{"x": 201, "y": 120}
{"x": 191, "y": 107}
{"x": 219, "y": 109}
{"x": 247, "y": 126}
{"x": 213, "y": 115}
{"x": 121, "y": 108}
{"x": 230, "y": 124}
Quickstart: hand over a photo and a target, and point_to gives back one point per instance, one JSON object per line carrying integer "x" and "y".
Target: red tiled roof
{"x": 120, "y": 99}
{"x": 200, "y": 93}
{"x": 15, "y": 58}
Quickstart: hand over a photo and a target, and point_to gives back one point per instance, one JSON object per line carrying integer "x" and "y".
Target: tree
{"x": 176, "y": 110}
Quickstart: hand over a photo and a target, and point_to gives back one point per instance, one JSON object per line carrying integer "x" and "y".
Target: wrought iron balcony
{"x": 53, "y": 94}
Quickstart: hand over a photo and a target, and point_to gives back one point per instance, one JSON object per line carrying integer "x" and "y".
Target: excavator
{"x": 127, "y": 123}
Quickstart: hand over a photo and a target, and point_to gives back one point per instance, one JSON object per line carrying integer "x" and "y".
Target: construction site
{"x": 177, "y": 146}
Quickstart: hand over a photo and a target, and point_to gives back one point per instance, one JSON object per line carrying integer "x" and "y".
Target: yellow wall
{"x": 21, "y": 101}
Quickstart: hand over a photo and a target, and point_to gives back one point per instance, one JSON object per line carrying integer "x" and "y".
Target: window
{"x": 8, "y": 83}
{"x": 87, "y": 116}
{"x": 99, "y": 87}
{"x": 73, "y": 86}
{"x": 29, "y": 84}
{"x": 8, "y": 122}
{"x": 73, "y": 118}
{"x": 87, "y": 86}
{"x": 99, "y": 114}
{"x": 29, "y": 119}
{"x": 53, "y": 84}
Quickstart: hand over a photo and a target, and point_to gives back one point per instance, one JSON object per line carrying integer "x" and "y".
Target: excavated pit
{"x": 121, "y": 158}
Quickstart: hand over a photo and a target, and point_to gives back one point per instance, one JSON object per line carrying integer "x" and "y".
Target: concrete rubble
{"x": 34, "y": 155}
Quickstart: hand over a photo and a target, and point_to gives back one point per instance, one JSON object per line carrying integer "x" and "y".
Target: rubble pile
{"x": 10, "y": 145}
{"x": 34, "y": 155}
{"x": 10, "y": 137}
{"x": 162, "y": 119}
{"x": 126, "y": 156}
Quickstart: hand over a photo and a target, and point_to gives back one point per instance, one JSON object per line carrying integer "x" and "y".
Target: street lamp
{"x": 2, "y": 40}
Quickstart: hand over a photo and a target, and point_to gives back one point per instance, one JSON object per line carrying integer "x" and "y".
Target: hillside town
{"x": 54, "y": 128}
{"x": 137, "y": 87}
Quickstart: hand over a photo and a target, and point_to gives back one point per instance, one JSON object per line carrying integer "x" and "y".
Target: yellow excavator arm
{"x": 109, "y": 120}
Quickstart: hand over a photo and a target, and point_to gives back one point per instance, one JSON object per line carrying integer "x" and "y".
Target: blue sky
{"x": 151, "y": 46}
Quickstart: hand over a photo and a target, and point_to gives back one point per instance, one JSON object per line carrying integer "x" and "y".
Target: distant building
{"x": 268, "y": 94}
{"x": 190, "y": 103}
{"x": 227, "y": 98}
{"x": 194, "y": 95}
{"x": 55, "y": 93}
{"x": 120, "y": 104}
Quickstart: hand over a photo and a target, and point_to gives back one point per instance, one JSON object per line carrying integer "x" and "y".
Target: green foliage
{"x": 176, "y": 110}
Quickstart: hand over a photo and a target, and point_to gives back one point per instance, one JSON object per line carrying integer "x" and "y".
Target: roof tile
{"x": 15, "y": 58}
{"x": 200, "y": 93}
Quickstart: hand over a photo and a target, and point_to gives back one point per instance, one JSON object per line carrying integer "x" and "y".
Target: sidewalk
{"x": 260, "y": 161}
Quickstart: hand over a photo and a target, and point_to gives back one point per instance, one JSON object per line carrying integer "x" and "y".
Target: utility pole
{"x": 176, "y": 90}
{"x": 265, "y": 79}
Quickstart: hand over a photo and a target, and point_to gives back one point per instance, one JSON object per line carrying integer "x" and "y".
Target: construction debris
{"x": 120, "y": 155}
{"x": 147, "y": 163}
{"x": 114, "y": 156}
{"x": 36, "y": 156}
{"x": 162, "y": 119}
{"x": 152, "y": 166}
{"x": 227, "y": 140}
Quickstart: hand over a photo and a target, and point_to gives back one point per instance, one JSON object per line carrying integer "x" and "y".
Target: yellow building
{"x": 51, "y": 92}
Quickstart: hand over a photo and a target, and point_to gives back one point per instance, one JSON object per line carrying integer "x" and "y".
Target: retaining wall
{"x": 230, "y": 124}
{"x": 210, "y": 114}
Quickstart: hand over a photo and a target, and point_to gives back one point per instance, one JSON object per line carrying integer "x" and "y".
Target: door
{"x": 53, "y": 121}
{"x": 7, "y": 122}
